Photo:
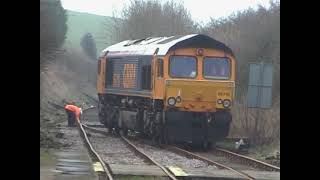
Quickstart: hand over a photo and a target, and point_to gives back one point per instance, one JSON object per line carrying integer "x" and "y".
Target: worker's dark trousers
{"x": 71, "y": 118}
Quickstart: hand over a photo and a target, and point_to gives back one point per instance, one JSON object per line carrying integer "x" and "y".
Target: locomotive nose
{"x": 198, "y": 96}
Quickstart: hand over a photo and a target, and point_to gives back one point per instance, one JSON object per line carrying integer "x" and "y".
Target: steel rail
{"x": 138, "y": 150}
{"x": 249, "y": 160}
{"x": 148, "y": 157}
{"x": 105, "y": 166}
{"x": 182, "y": 151}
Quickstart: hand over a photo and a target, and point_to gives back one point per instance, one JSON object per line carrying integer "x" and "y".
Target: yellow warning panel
{"x": 177, "y": 171}
{"x": 97, "y": 167}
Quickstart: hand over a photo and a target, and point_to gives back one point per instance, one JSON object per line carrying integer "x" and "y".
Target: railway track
{"x": 142, "y": 152}
{"x": 174, "y": 150}
{"x": 170, "y": 175}
{"x": 211, "y": 162}
{"x": 106, "y": 167}
{"x": 240, "y": 162}
{"x": 247, "y": 160}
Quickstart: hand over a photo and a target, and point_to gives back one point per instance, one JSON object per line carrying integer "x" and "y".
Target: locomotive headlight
{"x": 219, "y": 101}
{"x": 226, "y": 103}
{"x": 171, "y": 101}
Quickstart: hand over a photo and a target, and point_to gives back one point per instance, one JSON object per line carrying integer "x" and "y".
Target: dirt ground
{"x": 70, "y": 161}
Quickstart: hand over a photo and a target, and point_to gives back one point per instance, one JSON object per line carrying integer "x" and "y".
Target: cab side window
{"x": 146, "y": 77}
{"x": 99, "y": 66}
{"x": 160, "y": 68}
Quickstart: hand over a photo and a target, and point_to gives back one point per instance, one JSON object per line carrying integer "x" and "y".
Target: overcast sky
{"x": 200, "y": 10}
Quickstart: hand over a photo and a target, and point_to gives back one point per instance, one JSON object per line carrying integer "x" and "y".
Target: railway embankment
{"x": 67, "y": 76}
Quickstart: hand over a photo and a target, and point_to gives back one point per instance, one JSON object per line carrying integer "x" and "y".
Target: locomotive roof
{"x": 148, "y": 46}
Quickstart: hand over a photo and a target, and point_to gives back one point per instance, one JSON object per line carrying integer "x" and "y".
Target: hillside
{"x": 79, "y": 23}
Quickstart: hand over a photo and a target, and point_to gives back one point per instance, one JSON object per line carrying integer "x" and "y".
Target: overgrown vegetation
{"x": 71, "y": 77}
{"x": 66, "y": 74}
{"x": 254, "y": 36}
{"x": 53, "y": 27}
{"x": 89, "y": 46}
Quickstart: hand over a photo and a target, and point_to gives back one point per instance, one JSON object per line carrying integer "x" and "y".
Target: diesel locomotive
{"x": 172, "y": 89}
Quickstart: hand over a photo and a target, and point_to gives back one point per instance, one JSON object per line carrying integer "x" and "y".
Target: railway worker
{"x": 74, "y": 112}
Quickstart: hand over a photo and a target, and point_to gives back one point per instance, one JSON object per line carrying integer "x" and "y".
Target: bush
{"x": 254, "y": 36}
{"x": 89, "y": 46}
{"x": 53, "y": 26}
{"x": 143, "y": 19}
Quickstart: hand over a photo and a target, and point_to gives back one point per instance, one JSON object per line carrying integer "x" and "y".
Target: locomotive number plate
{"x": 223, "y": 93}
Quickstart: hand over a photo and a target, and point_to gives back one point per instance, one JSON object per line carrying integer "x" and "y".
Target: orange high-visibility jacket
{"x": 75, "y": 109}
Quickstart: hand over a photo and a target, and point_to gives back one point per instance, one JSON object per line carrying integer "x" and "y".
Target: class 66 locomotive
{"x": 177, "y": 89}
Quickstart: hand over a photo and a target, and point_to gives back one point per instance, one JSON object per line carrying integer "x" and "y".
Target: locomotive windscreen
{"x": 216, "y": 67}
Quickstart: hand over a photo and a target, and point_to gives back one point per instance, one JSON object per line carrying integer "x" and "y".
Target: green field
{"x": 80, "y": 23}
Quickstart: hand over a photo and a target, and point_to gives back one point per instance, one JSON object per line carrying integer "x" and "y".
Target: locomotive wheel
{"x": 154, "y": 141}
{"x": 161, "y": 139}
{"x": 212, "y": 145}
{"x": 117, "y": 130}
{"x": 165, "y": 136}
{"x": 160, "y": 128}
{"x": 114, "y": 120}
{"x": 108, "y": 122}
{"x": 153, "y": 133}
{"x": 110, "y": 128}
{"x": 146, "y": 122}
{"x": 157, "y": 135}
{"x": 165, "y": 130}
{"x": 124, "y": 131}
{"x": 206, "y": 145}
{"x": 101, "y": 113}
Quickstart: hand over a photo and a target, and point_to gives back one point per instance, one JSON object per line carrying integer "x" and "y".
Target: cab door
{"x": 158, "y": 79}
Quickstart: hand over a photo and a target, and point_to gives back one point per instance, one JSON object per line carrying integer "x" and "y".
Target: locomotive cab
{"x": 198, "y": 94}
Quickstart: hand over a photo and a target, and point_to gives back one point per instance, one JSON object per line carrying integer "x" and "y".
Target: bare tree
{"x": 151, "y": 18}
